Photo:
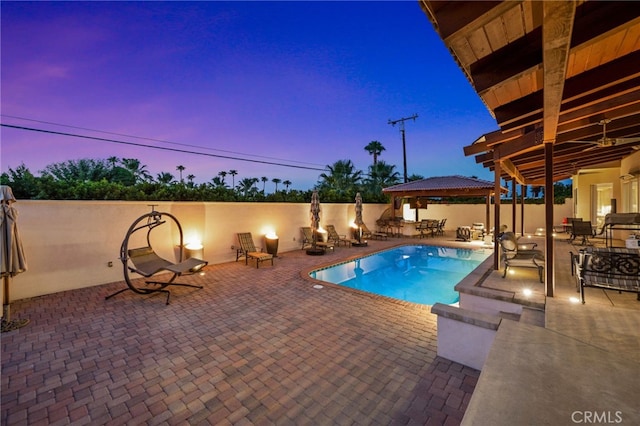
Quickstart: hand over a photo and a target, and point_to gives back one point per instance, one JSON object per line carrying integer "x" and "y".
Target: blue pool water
{"x": 413, "y": 273}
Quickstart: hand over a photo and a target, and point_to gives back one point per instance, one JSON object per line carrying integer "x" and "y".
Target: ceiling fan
{"x": 605, "y": 141}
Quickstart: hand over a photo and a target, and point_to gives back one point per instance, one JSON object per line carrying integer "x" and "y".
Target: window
{"x": 601, "y": 195}
{"x": 630, "y": 196}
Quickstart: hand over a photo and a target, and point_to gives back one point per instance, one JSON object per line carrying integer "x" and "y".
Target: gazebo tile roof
{"x": 442, "y": 183}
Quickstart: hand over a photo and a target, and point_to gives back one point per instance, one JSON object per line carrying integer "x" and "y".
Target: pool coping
{"x": 304, "y": 273}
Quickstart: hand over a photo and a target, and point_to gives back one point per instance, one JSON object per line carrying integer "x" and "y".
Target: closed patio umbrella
{"x": 358, "y": 221}
{"x": 12, "y": 256}
{"x": 315, "y": 223}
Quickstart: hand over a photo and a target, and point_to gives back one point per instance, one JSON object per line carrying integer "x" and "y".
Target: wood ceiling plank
{"x": 631, "y": 41}
{"x": 479, "y": 43}
{"x": 597, "y": 79}
{"x": 532, "y": 14}
{"x": 496, "y": 34}
{"x": 513, "y": 20}
{"x": 455, "y": 18}
{"x": 472, "y": 16}
{"x": 524, "y": 53}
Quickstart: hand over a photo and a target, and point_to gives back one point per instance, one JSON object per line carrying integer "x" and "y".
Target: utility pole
{"x": 404, "y": 145}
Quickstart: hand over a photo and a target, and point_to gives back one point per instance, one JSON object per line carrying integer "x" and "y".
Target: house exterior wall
{"x": 69, "y": 244}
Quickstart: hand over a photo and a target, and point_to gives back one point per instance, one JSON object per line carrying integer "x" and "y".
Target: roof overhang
{"x": 550, "y": 72}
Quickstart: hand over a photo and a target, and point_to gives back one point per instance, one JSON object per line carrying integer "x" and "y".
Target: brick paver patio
{"x": 255, "y": 346}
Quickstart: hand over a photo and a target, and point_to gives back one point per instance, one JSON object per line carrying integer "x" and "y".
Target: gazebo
{"x": 446, "y": 186}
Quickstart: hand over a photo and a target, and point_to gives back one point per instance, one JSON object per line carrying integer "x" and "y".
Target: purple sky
{"x": 299, "y": 83}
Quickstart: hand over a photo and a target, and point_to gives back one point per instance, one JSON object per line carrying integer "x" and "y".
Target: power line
{"x": 156, "y": 140}
{"x": 184, "y": 151}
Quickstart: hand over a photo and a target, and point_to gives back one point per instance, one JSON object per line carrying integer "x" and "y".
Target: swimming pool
{"x": 414, "y": 273}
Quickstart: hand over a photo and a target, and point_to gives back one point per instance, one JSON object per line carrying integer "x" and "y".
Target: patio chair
{"x": 463, "y": 233}
{"x": 307, "y": 240}
{"x": 581, "y": 229}
{"x": 440, "y": 228}
{"x": 521, "y": 255}
{"x": 249, "y": 250}
{"x": 146, "y": 262}
{"x": 366, "y": 233}
{"x": 337, "y": 238}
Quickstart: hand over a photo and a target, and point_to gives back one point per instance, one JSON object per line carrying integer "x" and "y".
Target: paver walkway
{"x": 255, "y": 346}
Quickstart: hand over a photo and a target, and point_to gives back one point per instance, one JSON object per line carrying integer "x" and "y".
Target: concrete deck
{"x": 583, "y": 366}
{"x": 262, "y": 346}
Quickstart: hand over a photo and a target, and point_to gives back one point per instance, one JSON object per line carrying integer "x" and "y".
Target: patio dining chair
{"x": 249, "y": 251}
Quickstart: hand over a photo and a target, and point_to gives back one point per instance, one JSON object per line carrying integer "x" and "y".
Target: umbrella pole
{"x": 7, "y": 323}
{"x": 6, "y": 311}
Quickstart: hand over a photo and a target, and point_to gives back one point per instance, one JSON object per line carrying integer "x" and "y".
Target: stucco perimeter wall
{"x": 69, "y": 244}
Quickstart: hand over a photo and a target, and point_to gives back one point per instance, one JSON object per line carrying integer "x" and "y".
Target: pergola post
{"x": 549, "y": 281}
{"x": 514, "y": 198}
{"x": 496, "y": 218}
{"x": 523, "y": 190}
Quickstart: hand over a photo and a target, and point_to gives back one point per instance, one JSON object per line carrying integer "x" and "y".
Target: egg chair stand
{"x": 145, "y": 261}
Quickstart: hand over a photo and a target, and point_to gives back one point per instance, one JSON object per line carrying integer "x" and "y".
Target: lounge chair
{"x": 522, "y": 255}
{"x": 249, "y": 250}
{"x": 307, "y": 240}
{"x": 145, "y": 261}
{"x": 337, "y": 238}
{"x": 366, "y": 233}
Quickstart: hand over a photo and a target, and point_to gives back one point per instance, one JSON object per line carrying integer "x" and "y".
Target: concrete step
{"x": 532, "y": 316}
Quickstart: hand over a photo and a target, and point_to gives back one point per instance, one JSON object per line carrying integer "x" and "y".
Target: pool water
{"x": 413, "y": 273}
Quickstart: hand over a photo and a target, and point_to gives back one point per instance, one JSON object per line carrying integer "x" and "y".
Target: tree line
{"x": 128, "y": 179}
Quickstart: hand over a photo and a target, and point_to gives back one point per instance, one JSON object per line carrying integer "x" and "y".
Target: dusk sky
{"x": 297, "y": 83}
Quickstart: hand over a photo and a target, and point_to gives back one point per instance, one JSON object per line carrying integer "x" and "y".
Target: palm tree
{"x": 286, "y": 184}
{"x": 381, "y": 175}
{"x": 246, "y": 186}
{"x": 342, "y": 178}
{"x": 190, "y": 178}
{"x": 276, "y": 181}
{"x": 112, "y": 161}
{"x": 218, "y": 182}
{"x": 222, "y": 175}
{"x": 180, "y": 169}
{"x": 164, "y": 178}
{"x": 264, "y": 180}
{"x": 233, "y": 174}
{"x": 374, "y": 148}
{"x": 138, "y": 169}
